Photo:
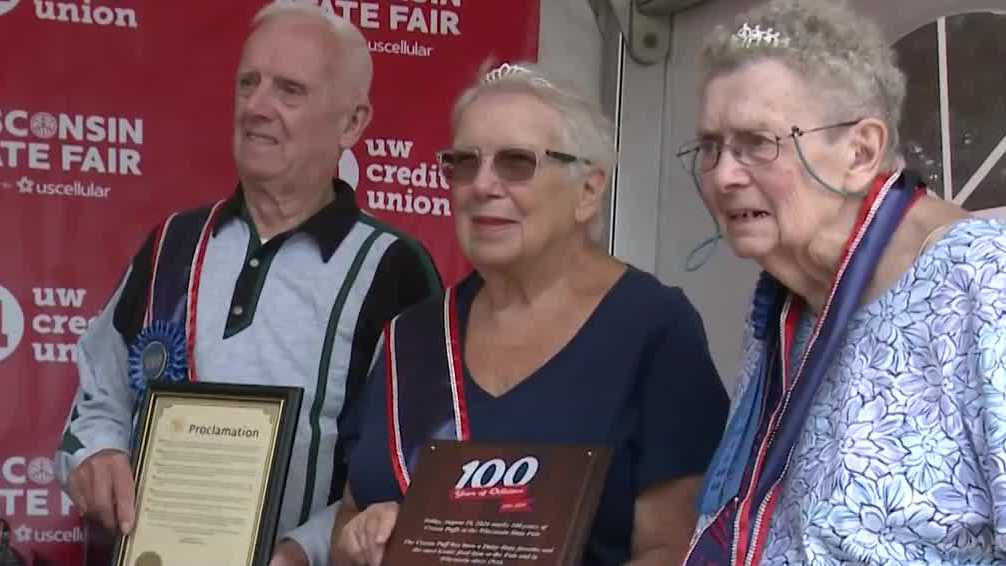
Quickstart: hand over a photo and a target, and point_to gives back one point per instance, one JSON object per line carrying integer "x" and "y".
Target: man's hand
{"x": 364, "y": 537}
{"x": 102, "y": 488}
{"x": 289, "y": 553}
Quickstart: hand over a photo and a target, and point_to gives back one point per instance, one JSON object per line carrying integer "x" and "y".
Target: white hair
{"x": 354, "y": 54}
{"x": 841, "y": 53}
{"x": 584, "y": 128}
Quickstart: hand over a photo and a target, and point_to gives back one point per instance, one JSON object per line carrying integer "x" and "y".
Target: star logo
{"x": 25, "y": 185}
{"x": 23, "y": 533}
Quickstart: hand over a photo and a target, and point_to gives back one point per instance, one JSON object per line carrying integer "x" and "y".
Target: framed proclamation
{"x": 210, "y": 462}
{"x": 498, "y": 504}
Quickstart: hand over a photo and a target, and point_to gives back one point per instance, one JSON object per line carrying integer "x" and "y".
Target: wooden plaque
{"x": 498, "y": 504}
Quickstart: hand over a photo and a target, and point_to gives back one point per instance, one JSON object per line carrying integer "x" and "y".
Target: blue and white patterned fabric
{"x": 903, "y": 457}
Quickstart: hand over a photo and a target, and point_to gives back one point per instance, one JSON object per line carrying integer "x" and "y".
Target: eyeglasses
{"x": 510, "y": 164}
{"x": 751, "y": 148}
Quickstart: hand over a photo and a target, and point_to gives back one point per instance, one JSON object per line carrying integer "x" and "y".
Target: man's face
{"x": 290, "y": 111}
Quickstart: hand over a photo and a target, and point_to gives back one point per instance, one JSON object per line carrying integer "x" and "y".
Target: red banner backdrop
{"x": 114, "y": 112}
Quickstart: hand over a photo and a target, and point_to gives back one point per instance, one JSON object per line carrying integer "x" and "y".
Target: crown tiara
{"x": 507, "y": 70}
{"x": 748, "y": 36}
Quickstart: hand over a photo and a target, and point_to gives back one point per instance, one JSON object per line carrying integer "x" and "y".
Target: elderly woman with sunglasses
{"x": 550, "y": 340}
{"x": 870, "y": 427}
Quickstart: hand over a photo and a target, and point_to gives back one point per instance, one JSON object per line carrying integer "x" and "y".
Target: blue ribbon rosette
{"x": 157, "y": 354}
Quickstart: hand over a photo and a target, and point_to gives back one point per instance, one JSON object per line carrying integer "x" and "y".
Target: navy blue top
{"x": 637, "y": 377}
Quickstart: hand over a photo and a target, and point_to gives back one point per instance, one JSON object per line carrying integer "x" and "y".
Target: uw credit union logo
{"x": 11, "y": 323}
{"x": 349, "y": 168}
{"x": 7, "y": 6}
{"x": 79, "y": 12}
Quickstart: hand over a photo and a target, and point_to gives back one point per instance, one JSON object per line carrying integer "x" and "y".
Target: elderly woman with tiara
{"x": 870, "y": 426}
{"x": 550, "y": 340}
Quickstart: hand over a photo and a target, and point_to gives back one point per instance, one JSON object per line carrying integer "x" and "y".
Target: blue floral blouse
{"x": 903, "y": 457}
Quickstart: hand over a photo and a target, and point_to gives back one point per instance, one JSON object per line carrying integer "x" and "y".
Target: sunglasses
{"x": 509, "y": 164}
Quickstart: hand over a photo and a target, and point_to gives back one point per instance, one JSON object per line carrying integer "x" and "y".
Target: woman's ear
{"x": 593, "y": 187}
{"x": 868, "y": 142}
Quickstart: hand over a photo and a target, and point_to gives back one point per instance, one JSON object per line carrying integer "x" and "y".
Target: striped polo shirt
{"x": 304, "y": 309}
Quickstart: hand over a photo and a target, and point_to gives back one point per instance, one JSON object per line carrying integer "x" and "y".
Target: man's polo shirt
{"x": 303, "y": 309}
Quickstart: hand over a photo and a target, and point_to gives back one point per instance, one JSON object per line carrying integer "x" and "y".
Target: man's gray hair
{"x": 586, "y": 132}
{"x": 356, "y": 61}
{"x": 840, "y": 52}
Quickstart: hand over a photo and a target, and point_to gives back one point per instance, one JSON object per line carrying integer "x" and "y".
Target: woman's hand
{"x": 363, "y": 538}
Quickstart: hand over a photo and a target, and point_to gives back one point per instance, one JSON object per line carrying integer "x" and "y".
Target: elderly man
{"x": 284, "y": 283}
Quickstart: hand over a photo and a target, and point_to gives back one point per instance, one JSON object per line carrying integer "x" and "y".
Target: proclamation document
{"x": 202, "y": 476}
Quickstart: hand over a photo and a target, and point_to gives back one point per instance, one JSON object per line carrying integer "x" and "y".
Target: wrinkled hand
{"x": 364, "y": 537}
{"x": 289, "y": 553}
{"x": 102, "y": 488}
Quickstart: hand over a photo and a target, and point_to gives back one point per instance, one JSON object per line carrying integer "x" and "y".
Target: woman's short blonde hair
{"x": 838, "y": 51}
{"x": 585, "y": 130}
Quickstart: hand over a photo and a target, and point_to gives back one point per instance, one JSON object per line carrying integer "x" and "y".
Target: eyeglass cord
{"x": 704, "y": 251}
{"x": 810, "y": 170}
